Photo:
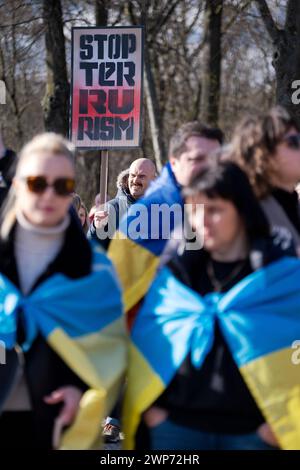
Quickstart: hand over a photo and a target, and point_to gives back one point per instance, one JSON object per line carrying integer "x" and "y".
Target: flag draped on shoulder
{"x": 143, "y": 234}
{"x": 259, "y": 318}
{"x": 82, "y": 320}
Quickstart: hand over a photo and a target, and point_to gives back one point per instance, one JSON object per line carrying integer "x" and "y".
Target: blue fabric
{"x": 172, "y": 436}
{"x": 78, "y": 306}
{"x": 149, "y": 232}
{"x": 174, "y": 320}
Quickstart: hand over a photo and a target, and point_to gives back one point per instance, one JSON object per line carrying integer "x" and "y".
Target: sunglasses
{"x": 293, "y": 141}
{"x": 61, "y": 186}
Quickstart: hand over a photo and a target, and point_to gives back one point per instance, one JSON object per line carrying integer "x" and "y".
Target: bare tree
{"x": 21, "y": 32}
{"x": 286, "y": 55}
{"x": 211, "y": 84}
{"x": 88, "y": 162}
{"x": 101, "y": 12}
{"x": 56, "y": 100}
{"x": 161, "y": 14}
{"x": 175, "y": 58}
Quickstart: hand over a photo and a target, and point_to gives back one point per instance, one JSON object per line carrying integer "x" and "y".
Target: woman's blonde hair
{"x": 46, "y": 143}
{"x": 86, "y": 224}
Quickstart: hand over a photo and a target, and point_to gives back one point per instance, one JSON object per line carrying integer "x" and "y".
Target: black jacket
{"x": 289, "y": 202}
{"x": 45, "y": 371}
{"x": 215, "y": 398}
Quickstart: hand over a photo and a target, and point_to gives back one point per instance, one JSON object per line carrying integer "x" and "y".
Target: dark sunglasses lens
{"x": 294, "y": 141}
{"x": 36, "y": 184}
{"x": 64, "y": 186}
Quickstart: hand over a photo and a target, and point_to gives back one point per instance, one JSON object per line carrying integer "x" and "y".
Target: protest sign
{"x": 106, "y": 95}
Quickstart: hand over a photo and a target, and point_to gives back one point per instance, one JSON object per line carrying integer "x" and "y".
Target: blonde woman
{"x": 46, "y": 263}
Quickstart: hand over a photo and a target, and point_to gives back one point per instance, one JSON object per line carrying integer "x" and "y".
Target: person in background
{"x": 105, "y": 223}
{"x": 267, "y": 148}
{"x": 8, "y": 161}
{"x": 81, "y": 211}
{"x": 94, "y": 208}
{"x": 76, "y": 202}
{"x": 132, "y": 183}
{"x": 84, "y": 218}
{"x": 137, "y": 258}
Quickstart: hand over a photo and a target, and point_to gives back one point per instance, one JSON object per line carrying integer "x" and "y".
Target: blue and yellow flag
{"x": 142, "y": 236}
{"x": 259, "y": 318}
{"x": 82, "y": 320}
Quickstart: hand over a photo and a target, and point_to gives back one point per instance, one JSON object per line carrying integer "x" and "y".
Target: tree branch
{"x": 165, "y": 17}
{"x": 241, "y": 9}
{"x": 268, "y": 20}
{"x": 19, "y": 23}
{"x": 293, "y": 16}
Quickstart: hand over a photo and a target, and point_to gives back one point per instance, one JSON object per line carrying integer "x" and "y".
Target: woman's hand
{"x": 70, "y": 397}
{"x": 155, "y": 416}
{"x": 266, "y": 434}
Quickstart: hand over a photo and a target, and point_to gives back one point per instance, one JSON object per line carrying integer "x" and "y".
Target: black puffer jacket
{"x": 44, "y": 370}
{"x": 116, "y": 208}
{"x": 215, "y": 398}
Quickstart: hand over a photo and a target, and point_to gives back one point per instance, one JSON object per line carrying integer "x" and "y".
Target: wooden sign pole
{"x": 103, "y": 178}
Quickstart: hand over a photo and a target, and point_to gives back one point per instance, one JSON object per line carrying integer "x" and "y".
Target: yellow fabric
{"x": 136, "y": 268}
{"x": 99, "y": 359}
{"x": 274, "y": 382}
{"x": 85, "y": 431}
{"x": 143, "y": 387}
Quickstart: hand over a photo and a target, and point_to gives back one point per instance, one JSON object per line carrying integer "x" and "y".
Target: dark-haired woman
{"x": 194, "y": 396}
{"x": 267, "y": 148}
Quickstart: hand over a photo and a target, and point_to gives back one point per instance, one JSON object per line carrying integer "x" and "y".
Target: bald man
{"x": 141, "y": 173}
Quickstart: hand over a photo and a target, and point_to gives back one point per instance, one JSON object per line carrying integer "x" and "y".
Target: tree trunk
{"x": 212, "y": 76}
{"x": 153, "y": 114}
{"x": 286, "y": 56}
{"x": 101, "y": 12}
{"x": 287, "y": 66}
{"x": 88, "y": 162}
{"x": 153, "y": 108}
{"x": 286, "y": 61}
{"x": 56, "y": 100}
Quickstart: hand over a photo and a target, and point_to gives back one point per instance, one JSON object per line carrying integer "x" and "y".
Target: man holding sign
{"x": 105, "y": 223}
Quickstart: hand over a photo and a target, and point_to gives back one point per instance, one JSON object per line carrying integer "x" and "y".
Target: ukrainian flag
{"x": 82, "y": 320}
{"x": 260, "y": 320}
{"x": 142, "y": 237}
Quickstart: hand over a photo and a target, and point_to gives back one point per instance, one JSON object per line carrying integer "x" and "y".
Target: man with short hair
{"x": 189, "y": 149}
{"x": 136, "y": 260}
{"x": 141, "y": 172}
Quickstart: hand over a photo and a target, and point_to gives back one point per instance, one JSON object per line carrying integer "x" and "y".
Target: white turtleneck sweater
{"x": 35, "y": 248}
